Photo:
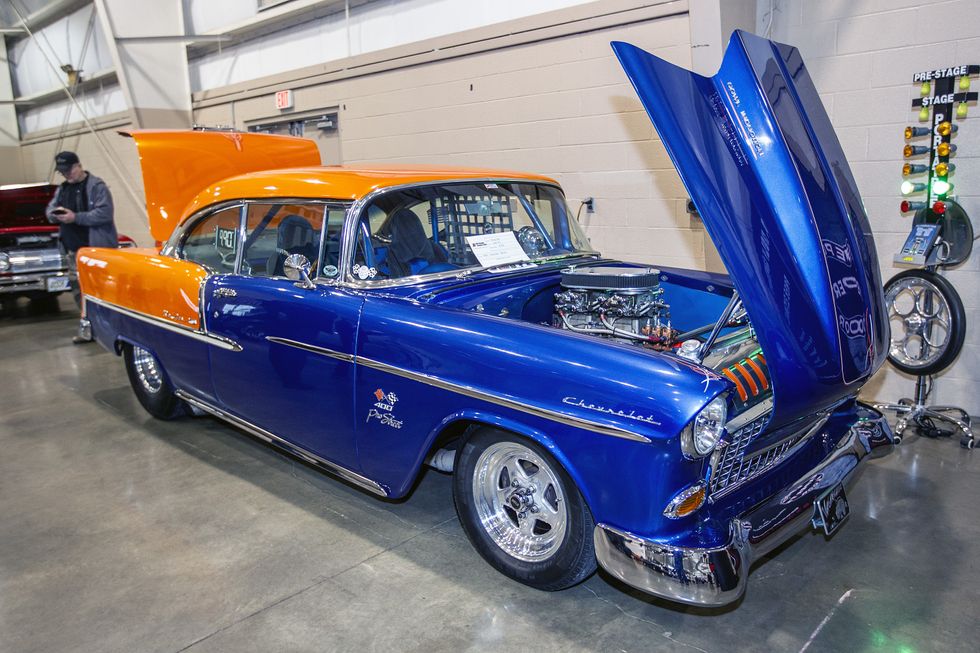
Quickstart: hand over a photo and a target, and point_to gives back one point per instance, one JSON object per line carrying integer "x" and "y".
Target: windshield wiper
{"x": 558, "y": 257}
{"x": 496, "y": 266}
{"x": 517, "y": 265}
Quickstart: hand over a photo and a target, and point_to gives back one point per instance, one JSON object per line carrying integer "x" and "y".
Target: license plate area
{"x": 57, "y": 284}
{"x": 831, "y": 510}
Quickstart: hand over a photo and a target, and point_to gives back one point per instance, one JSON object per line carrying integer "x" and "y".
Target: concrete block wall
{"x": 560, "y": 106}
{"x": 862, "y": 55}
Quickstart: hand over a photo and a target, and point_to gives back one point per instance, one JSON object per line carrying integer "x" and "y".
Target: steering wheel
{"x": 531, "y": 241}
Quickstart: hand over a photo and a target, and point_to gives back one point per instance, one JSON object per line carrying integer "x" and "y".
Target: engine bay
{"x": 615, "y": 302}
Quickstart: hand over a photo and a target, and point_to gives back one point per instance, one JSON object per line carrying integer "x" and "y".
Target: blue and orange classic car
{"x": 668, "y": 425}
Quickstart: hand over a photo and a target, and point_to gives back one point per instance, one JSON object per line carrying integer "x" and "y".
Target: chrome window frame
{"x": 326, "y": 203}
{"x": 359, "y": 207}
{"x": 174, "y": 247}
{"x": 175, "y": 244}
{"x": 354, "y": 212}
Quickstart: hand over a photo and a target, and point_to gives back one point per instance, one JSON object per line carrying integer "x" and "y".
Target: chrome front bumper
{"x": 713, "y": 577}
{"x": 32, "y": 282}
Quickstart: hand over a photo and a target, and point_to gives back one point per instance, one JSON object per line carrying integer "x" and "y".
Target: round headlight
{"x": 4, "y": 262}
{"x": 709, "y": 426}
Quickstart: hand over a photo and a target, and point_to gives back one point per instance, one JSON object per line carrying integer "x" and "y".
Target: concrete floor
{"x": 122, "y": 533}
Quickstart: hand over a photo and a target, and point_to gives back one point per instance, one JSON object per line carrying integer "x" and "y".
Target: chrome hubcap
{"x": 519, "y": 501}
{"x": 148, "y": 370}
{"x": 920, "y": 322}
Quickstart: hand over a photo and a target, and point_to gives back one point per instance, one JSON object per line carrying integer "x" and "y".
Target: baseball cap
{"x": 65, "y": 160}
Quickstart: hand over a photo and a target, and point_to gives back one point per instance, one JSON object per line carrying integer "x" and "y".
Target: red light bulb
{"x": 939, "y": 208}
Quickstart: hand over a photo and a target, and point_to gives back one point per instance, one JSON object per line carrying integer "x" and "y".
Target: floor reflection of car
{"x": 669, "y": 425}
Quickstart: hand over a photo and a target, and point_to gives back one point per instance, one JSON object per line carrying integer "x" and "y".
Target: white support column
{"x": 10, "y": 168}
{"x": 152, "y": 72}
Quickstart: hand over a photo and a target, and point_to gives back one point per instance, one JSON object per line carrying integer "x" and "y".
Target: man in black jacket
{"x": 82, "y": 208}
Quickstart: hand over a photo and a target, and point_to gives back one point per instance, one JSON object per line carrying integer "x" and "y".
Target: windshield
{"x": 460, "y": 226}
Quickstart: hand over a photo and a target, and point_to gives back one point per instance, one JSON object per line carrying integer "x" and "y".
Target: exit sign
{"x": 284, "y": 100}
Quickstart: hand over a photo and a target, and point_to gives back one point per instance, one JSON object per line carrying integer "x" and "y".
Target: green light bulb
{"x": 964, "y": 83}
{"x": 923, "y": 114}
{"x": 926, "y": 88}
{"x": 960, "y": 110}
{"x": 941, "y": 187}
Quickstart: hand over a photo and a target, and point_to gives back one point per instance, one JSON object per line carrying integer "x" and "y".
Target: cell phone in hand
{"x": 59, "y": 211}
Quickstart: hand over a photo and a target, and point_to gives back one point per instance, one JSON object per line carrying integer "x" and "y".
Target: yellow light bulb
{"x": 906, "y": 169}
{"x": 942, "y": 169}
{"x": 943, "y": 149}
{"x": 907, "y": 151}
{"x": 908, "y": 133}
{"x": 944, "y": 128}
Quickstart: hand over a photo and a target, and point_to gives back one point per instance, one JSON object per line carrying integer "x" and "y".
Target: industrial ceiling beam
{"x": 36, "y": 20}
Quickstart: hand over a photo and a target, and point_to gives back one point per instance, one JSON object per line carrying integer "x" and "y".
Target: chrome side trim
{"x": 465, "y": 390}
{"x": 272, "y": 438}
{"x": 468, "y": 391}
{"x": 217, "y": 341}
{"x": 323, "y": 351}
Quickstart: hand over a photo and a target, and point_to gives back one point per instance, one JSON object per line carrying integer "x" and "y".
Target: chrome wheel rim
{"x": 920, "y": 322}
{"x": 519, "y": 501}
{"x": 147, "y": 370}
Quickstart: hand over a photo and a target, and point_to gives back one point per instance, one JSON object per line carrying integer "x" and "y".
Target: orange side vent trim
{"x": 738, "y": 384}
{"x": 758, "y": 370}
{"x": 748, "y": 377}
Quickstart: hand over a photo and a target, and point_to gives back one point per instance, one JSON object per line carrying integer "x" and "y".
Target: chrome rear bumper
{"x": 713, "y": 577}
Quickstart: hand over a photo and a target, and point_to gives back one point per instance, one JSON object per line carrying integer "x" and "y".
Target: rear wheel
{"x": 522, "y": 512}
{"x": 150, "y": 384}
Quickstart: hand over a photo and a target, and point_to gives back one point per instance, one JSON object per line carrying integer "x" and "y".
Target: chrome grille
{"x": 733, "y": 468}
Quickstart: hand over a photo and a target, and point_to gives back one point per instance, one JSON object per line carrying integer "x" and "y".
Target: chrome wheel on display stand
{"x": 927, "y": 322}
{"x": 928, "y": 327}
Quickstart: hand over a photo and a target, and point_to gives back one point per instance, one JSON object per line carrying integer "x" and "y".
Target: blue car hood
{"x": 759, "y": 157}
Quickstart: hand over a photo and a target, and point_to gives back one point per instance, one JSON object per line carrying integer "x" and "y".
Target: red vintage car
{"x": 31, "y": 262}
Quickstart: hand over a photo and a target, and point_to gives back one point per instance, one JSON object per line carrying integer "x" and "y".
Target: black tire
{"x": 155, "y": 394}
{"x": 570, "y": 558}
{"x": 940, "y": 286}
{"x": 45, "y": 303}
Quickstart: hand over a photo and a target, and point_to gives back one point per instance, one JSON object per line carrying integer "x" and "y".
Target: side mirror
{"x": 297, "y": 268}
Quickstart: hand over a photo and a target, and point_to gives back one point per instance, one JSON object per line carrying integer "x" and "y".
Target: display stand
{"x": 926, "y": 313}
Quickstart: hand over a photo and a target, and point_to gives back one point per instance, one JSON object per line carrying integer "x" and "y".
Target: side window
{"x": 213, "y": 242}
{"x": 397, "y": 241}
{"x": 274, "y": 231}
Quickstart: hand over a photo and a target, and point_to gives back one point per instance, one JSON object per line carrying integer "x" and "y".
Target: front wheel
{"x": 150, "y": 384}
{"x": 522, "y": 512}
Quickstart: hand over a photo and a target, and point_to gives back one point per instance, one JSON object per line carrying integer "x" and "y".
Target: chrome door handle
{"x": 225, "y": 292}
